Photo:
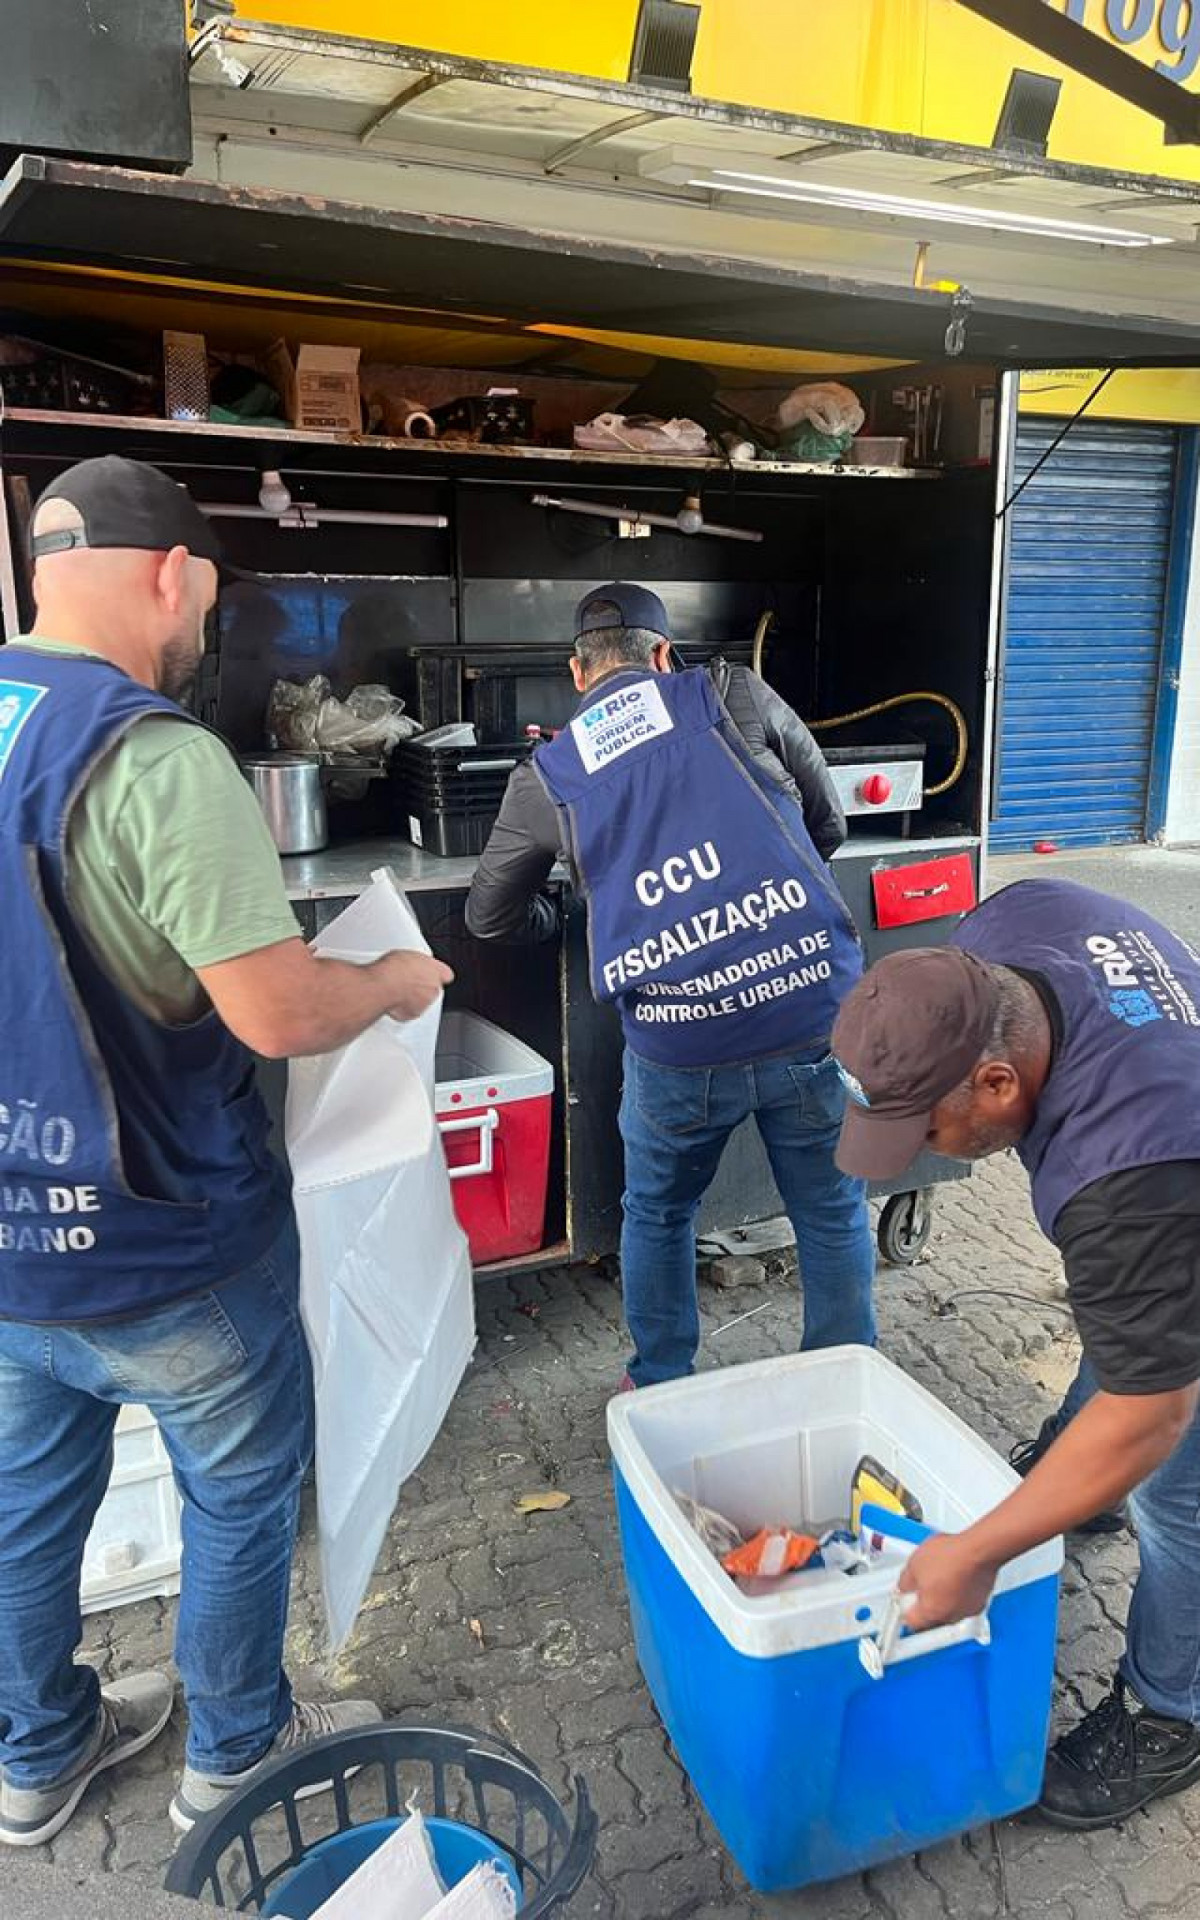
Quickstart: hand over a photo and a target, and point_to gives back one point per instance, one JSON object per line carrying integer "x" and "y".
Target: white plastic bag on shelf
{"x": 304, "y": 717}
{"x": 640, "y": 433}
{"x": 824, "y": 404}
{"x": 386, "y": 1290}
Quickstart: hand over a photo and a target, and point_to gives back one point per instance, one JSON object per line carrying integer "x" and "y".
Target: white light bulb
{"x": 273, "y": 494}
{"x": 690, "y": 519}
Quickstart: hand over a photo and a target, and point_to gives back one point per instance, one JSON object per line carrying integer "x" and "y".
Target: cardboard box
{"x": 319, "y": 388}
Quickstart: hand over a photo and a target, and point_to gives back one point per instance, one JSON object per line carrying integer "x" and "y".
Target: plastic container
{"x": 453, "y": 835}
{"x": 450, "y": 796}
{"x": 458, "y": 771}
{"x": 134, "y": 1549}
{"x": 240, "y": 1855}
{"x": 877, "y": 450}
{"x": 457, "y": 1850}
{"x": 808, "y": 1766}
{"x": 493, "y": 1101}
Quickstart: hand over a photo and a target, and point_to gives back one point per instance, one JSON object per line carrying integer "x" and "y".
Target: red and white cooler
{"x": 493, "y": 1102}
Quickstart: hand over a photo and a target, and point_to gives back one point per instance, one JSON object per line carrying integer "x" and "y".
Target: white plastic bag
{"x": 386, "y": 1290}
{"x": 824, "y": 404}
{"x": 639, "y": 433}
{"x": 399, "y": 1881}
{"x": 306, "y": 718}
{"x": 484, "y": 1894}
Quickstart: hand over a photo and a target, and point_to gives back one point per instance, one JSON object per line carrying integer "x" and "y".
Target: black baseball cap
{"x": 621, "y": 604}
{"x": 910, "y": 1032}
{"x": 121, "y": 503}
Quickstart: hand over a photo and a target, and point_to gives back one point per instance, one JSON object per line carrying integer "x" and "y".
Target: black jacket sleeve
{"x": 775, "y": 733}
{"x": 507, "y": 900}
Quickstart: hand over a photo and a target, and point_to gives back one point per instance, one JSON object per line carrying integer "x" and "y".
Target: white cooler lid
{"x": 758, "y": 1435}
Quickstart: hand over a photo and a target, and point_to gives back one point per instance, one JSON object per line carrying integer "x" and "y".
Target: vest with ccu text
{"x": 714, "y": 926}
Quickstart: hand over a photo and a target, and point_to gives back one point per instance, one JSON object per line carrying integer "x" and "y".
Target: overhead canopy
{"x": 57, "y": 208}
{"x": 454, "y": 186}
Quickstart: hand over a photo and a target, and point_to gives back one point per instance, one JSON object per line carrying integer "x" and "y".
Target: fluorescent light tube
{"x": 858, "y": 200}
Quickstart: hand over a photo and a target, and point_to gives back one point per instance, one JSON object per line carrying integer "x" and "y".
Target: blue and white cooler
{"x": 812, "y": 1760}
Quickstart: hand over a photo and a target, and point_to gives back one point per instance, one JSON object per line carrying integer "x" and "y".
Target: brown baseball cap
{"x": 907, "y": 1035}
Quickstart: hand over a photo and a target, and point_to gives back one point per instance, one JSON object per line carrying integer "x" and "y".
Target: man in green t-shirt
{"x": 147, "y": 925}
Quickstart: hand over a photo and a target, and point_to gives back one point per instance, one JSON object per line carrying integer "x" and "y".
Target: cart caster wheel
{"x": 905, "y": 1226}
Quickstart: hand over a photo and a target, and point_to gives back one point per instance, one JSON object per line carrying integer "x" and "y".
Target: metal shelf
{"x": 435, "y": 449}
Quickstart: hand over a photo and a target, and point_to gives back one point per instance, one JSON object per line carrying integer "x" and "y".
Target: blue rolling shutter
{"x": 1087, "y": 583}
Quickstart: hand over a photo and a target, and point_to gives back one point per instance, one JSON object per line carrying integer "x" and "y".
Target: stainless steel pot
{"x": 289, "y": 790}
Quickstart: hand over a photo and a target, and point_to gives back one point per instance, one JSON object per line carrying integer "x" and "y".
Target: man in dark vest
{"x": 716, "y": 929}
{"x": 1066, "y": 1024}
{"x": 148, "y": 1249}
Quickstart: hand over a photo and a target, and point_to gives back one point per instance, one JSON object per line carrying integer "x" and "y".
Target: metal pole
{"x": 10, "y": 611}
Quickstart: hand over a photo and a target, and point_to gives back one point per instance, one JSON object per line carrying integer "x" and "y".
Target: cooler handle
{"x": 897, "y": 1526}
{"x": 887, "y": 1647}
{"x": 487, "y": 1124}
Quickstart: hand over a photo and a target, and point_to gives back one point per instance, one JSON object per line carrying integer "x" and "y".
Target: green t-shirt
{"x": 170, "y": 865}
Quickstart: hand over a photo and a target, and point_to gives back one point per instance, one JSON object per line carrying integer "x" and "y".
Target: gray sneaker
{"x": 202, "y": 1793}
{"x": 133, "y": 1712}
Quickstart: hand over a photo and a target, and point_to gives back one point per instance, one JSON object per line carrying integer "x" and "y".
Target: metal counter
{"x": 341, "y": 872}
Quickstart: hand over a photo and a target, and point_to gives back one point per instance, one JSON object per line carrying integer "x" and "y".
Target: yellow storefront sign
{"x": 1170, "y": 395}
{"x": 593, "y": 38}
{"x": 911, "y": 66}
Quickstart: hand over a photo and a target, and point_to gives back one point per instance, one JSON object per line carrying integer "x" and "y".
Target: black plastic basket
{"x": 236, "y": 1857}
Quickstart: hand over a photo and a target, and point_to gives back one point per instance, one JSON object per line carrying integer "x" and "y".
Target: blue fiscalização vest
{"x": 1124, "y": 1087}
{"x": 712, "y": 921}
{"x": 134, "y": 1165}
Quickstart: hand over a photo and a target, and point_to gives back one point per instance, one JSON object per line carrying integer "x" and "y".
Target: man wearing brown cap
{"x": 148, "y": 1248}
{"x": 1066, "y": 1024}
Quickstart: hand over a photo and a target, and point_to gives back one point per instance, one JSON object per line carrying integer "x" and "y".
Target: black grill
{"x": 1024, "y": 123}
{"x": 663, "y": 44}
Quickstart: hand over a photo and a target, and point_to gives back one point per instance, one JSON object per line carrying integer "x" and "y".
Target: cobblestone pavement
{"x": 980, "y": 1322}
{"x": 555, "y": 1672}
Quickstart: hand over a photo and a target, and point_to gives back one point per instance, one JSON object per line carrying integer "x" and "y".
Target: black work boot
{"x": 1025, "y": 1456}
{"x": 1120, "y": 1757}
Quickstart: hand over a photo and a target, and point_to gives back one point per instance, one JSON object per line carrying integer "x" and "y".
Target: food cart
{"x": 510, "y": 229}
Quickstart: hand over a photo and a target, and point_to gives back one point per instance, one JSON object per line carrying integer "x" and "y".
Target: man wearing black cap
{"x": 1066, "y": 1024}
{"x": 696, "y": 815}
{"x": 148, "y": 1249}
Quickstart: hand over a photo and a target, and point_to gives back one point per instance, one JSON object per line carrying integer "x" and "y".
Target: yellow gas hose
{"x": 962, "y": 741}
{"x": 906, "y": 700}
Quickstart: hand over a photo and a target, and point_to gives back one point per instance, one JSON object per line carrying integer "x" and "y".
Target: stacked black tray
{"x": 450, "y": 796}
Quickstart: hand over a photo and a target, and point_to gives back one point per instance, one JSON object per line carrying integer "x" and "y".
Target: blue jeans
{"x": 675, "y": 1122}
{"x": 1080, "y": 1391}
{"x": 226, "y": 1374}
{"x": 1162, "y": 1634}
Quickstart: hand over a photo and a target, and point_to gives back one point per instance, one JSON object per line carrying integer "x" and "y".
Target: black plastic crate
{"x": 495, "y": 419}
{"x": 442, "y": 763}
{"x": 452, "y": 834}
